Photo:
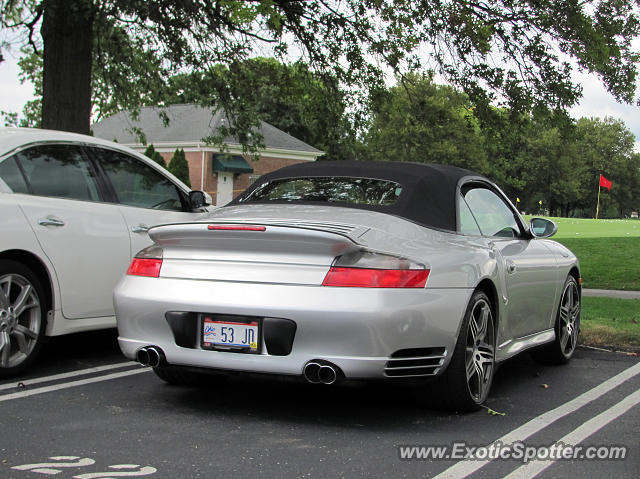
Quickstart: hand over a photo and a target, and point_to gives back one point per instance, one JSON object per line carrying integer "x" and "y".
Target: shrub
{"x": 179, "y": 167}
{"x": 151, "y": 152}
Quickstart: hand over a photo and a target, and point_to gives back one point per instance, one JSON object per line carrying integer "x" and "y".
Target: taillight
{"x": 147, "y": 262}
{"x": 235, "y": 228}
{"x": 376, "y": 278}
{"x": 145, "y": 267}
{"x": 365, "y": 269}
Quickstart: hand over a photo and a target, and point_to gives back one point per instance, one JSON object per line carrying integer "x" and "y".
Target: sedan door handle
{"x": 140, "y": 228}
{"x": 50, "y": 221}
{"x": 511, "y": 267}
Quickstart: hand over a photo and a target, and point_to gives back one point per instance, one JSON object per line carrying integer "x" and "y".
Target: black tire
{"x": 180, "y": 376}
{"x": 22, "y": 333}
{"x": 567, "y": 327}
{"x": 466, "y": 382}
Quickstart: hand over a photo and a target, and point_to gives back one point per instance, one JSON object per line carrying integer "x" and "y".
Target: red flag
{"x": 605, "y": 183}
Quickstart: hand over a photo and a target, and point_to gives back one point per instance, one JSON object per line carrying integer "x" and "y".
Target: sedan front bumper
{"x": 357, "y": 329}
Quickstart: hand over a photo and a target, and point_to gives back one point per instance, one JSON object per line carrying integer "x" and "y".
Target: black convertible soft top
{"x": 428, "y": 192}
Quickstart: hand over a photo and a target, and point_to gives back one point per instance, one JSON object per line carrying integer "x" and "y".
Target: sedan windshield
{"x": 359, "y": 191}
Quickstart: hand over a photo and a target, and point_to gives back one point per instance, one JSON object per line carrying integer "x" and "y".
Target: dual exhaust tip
{"x": 324, "y": 372}
{"x": 150, "y": 356}
{"x": 314, "y": 372}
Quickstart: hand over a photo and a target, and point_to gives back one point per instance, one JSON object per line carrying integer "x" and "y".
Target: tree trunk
{"x": 67, "y": 34}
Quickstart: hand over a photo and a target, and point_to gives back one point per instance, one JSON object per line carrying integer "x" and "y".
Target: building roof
{"x": 188, "y": 123}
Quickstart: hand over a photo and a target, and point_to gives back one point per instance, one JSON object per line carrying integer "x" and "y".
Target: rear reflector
{"x": 376, "y": 278}
{"x": 236, "y": 228}
{"x": 145, "y": 267}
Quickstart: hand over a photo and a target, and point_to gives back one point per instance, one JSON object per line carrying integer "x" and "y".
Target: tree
{"x": 499, "y": 50}
{"x": 606, "y": 147}
{"x": 291, "y": 97}
{"x": 424, "y": 122}
{"x": 552, "y": 170}
{"x": 179, "y": 167}
{"x": 534, "y": 156}
{"x": 504, "y": 133}
{"x": 67, "y": 26}
{"x": 558, "y": 160}
{"x": 151, "y": 152}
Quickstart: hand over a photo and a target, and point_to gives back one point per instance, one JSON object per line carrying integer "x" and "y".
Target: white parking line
{"x": 578, "y": 435}
{"x": 463, "y": 469}
{"x": 70, "y": 374}
{"x": 80, "y": 382}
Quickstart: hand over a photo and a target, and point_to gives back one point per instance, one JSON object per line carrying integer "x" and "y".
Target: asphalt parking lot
{"x": 88, "y": 414}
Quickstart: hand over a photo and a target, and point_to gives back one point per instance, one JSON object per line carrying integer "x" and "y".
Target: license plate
{"x": 229, "y": 334}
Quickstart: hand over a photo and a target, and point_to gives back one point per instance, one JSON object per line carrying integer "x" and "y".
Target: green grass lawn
{"x": 608, "y": 250}
{"x": 589, "y": 228}
{"x": 608, "y": 321}
{"x": 607, "y": 263}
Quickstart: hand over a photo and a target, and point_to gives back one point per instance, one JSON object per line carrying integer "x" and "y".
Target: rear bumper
{"x": 357, "y": 329}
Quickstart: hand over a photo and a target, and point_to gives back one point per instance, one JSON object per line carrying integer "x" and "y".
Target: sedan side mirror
{"x": 542, "y": 227}
{"x": 197, "y": 200}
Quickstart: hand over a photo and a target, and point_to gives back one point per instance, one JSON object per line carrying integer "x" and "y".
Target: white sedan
{"x": 75, "y": 210}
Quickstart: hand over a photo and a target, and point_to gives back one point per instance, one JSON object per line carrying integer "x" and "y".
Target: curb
{"x": 611, "y": 293}
{"x": 626, "y": 350}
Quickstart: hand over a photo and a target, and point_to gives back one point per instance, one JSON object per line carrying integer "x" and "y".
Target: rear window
{"x": 357, "y": 191}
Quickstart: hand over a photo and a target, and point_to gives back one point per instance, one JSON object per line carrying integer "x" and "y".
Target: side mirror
{"x": 198, "y": 199}
{"x": 542, "y": 227}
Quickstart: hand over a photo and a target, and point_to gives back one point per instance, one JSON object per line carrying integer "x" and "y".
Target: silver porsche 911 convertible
{"x": 354, "y": 270}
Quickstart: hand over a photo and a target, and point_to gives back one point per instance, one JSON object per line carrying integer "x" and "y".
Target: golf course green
{"x": 590, "y": 228}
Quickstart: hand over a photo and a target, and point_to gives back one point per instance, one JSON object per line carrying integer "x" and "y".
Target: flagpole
{"x": 598, "y": 205}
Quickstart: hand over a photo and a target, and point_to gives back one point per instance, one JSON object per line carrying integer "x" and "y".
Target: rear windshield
{"x": 357, "y": 191}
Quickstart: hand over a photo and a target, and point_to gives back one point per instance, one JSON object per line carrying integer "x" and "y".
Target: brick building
{"x": 223, "y": 176}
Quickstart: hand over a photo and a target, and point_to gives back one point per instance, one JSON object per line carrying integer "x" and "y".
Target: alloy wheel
{"x": 569, "y": 318}
{"x": 480, "y": 350}
{"x": 20, "y": 319}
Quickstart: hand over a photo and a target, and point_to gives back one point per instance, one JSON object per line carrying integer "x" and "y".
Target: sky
{"x": 596, "y": 101}
{"x": 13, "y": 95}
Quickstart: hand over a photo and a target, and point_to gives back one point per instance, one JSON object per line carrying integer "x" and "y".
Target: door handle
{"x": 50, "y": 221}
{"x": 511, "y": 267}
{"x": 140, "y": 228}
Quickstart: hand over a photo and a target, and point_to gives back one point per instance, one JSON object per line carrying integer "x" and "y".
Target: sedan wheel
{"x": 567, "y": 327}
{"x": 466, "y": 382}
{"x": 21, "y": 317}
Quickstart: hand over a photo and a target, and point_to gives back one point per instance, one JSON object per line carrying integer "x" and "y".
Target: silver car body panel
{"x": 279, "y": 272}
{"x": 355, "y": 328}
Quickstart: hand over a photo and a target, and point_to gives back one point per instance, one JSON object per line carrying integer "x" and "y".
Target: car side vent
{"x": 415, "y": 362}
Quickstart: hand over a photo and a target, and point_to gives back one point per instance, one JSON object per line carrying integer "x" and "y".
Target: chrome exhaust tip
{"x": 156, "y": 356}
{"x": 327, "y": 374}
{"x": 320, "y": 371}
{"x": 150, "y": 356}
{"x": 142, "y": 356}
{"x": 311, "y": 371}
